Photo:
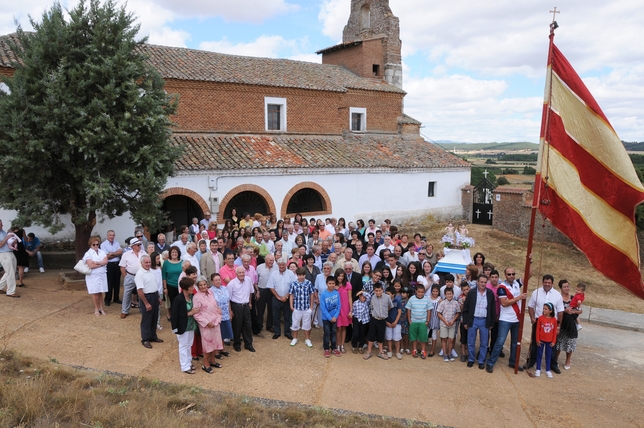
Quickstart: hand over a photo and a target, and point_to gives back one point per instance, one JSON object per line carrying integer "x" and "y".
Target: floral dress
{"x": 404, "y": 323}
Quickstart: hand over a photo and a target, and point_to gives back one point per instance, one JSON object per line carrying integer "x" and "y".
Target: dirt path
{"x": 602, "y": 388}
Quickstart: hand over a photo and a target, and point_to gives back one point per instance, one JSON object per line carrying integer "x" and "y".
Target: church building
{"x": 274, "y": 135}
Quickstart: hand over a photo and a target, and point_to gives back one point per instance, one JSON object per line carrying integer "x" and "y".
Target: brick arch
{"x": 182, "y": 191}
{"x": 243, "y": 188}
{"x": 303, "y": 185}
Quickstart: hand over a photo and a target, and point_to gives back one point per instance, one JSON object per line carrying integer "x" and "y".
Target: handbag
{"x": 82, "y": 267}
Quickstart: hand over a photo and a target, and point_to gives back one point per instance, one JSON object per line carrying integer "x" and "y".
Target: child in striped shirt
{"x": 360, "y": 321}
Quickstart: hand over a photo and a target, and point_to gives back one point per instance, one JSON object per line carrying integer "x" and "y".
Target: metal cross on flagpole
{"x": 554, "y": 13}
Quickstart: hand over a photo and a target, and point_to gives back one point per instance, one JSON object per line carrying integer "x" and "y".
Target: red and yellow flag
{"x": 586, "y": 184}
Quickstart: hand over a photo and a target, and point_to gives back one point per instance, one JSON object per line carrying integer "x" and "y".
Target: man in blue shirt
{"x": 32, "y": 246}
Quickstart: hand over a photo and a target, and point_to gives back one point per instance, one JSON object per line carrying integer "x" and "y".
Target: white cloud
{"x": 255, "y": 11}
{"x": 263, "y": 46}
{"x": 334, "y": 15}
{"x": 168, "y": 37}
{"x": 461, "y": 108}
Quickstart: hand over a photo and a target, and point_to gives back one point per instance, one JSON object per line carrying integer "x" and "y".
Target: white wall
{"x": 397, "y": 196}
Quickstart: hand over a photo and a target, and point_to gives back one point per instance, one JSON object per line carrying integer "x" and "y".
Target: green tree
{"x": 477, "y": 175}
{"x": 84, "y": 124}
{"x": 528, "y": 170}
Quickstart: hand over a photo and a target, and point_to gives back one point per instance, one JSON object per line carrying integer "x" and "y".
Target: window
{"x": 275, "y": 114}
{"x": 365, "y": 17}
{"x": 376, "y": 69}
{"x": 431, "y": 189}
{"x": 358, "y": 119}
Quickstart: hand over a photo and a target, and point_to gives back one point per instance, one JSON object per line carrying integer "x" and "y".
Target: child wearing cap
{"x": 360, "y": 321}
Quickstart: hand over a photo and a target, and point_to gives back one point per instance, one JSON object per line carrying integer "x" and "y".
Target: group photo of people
{"x": 372, "y": 289}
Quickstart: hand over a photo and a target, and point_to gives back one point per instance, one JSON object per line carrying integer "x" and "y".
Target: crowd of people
{"x": 370, "y": 288}
{"x": 16, "y": 247}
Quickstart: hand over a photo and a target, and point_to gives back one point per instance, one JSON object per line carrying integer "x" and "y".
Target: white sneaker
{"x": 26, "y": 269}
{"x": 308, "y": 343}
{"x": 376, "y": 345}
{"x": 390, "y": 354}
{"x": 399, "y": 356}
{"x": 440, "y": 354}
{"x": 549, "y": 375}
{"x": 293, "y": 342}
{"x": 454, "y": 354}
{"x": 566, "y": 367}
{"x": 579, "y": 327}
{"x": 42, "y": 270}
{"x": 537, "y": 373}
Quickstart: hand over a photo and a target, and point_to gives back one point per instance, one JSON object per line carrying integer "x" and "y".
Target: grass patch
{"x": 37, "y": 393}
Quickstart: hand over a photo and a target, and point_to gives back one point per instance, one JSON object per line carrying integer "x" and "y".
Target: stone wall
{"x": 512, "y": 211}
{"x": 467, "y": 201}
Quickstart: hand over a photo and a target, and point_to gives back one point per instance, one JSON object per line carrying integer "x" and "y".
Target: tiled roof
{"x": 408, "y": 120}
{"x": 196, "y": 65}
{"x": 206, "y": 152}
{"x": 191, "y": 64}
{"x": 339, "y": 47}
{"x": 6, "y": 53}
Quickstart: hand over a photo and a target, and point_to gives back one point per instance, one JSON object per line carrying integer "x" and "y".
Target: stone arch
{"x": 328, "y": 208}
{"x": 181, "y": 191}
{"x": 365, "y": 17}
{"x": 244, "y": 188}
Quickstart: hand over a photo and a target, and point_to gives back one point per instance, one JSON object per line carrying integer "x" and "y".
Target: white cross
{"x": 554, "y": 14}
{"x": 489, "y": 215}
{"x": 485, "y": 173}
{"x": 478, "y": 213}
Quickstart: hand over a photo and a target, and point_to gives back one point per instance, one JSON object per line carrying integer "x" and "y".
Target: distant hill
{"x": 633, "y": 147}
{"x": 508, "y": 147}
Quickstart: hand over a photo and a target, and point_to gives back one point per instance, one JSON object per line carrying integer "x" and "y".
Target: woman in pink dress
{"x": 208, "y": 316}
{"x": 346, "y": 307}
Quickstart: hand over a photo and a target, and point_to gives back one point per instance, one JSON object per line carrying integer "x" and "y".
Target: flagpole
{"x": 536, "y": 192}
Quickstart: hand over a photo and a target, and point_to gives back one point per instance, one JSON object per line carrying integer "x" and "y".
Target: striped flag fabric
{"x": 586, "y": 184}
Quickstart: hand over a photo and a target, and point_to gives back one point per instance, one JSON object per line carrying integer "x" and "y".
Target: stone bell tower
{"x": 370, "y": 43}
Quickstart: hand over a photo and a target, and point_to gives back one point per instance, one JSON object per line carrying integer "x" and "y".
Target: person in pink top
{"x": 346, "y": 307}
{"x": 208, "y": 316}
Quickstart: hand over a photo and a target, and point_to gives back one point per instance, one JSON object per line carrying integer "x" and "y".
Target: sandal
{"x": 133, "y": 305}
{"x": 192, "y": 367}
{"x": 218, "y": 356}
{"x": 20, "y": 285}
{"x": 224, "y": 353}
{"x": 383, "y": 356}
{"x": 216, "y": 365}
{"x": 191, "y": 371}
{"x": 431, "y": 354}
{"x": 366, "y": 355}
{"x": 206, "y": 369}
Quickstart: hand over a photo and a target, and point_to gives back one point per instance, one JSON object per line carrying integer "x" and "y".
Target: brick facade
{"x": 181, "y": 191}
{"x": 512, "y": 215}
{"x": 361, "y": 58}
{"x": 235, "y": 108}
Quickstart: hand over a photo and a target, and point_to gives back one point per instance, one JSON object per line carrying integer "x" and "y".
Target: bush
{"x": 501, "y": 181}
{"x": 528, "y": 170}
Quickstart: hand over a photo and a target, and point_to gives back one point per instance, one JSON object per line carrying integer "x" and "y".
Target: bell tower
{"x": 370, "y": 43}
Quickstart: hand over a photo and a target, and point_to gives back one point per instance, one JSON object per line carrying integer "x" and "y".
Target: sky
{"x": 474, "y": 71}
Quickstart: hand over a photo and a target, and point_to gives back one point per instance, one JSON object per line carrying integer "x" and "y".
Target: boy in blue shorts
{"x": 419, "y": 311}
{"x": 393, "y": 330}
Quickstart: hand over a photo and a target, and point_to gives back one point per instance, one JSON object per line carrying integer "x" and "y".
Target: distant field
{"x": 489, "y": 146}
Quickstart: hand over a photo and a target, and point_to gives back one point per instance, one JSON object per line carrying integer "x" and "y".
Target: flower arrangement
{"x": 466, "y": 242}
{"x": 447, "y": 241}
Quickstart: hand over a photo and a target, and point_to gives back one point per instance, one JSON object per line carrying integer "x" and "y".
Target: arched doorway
{"x": 306, "y": 198}
{"x": 181, "y": 205}
{"x": 246, "y": 198}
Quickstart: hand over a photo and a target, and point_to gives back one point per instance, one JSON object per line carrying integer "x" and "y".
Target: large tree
{"x": 84, "y": 124}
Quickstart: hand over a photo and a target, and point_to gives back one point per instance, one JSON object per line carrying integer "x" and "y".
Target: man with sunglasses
{"x": 509, "y": 293}
{"x": 130, "y": 264}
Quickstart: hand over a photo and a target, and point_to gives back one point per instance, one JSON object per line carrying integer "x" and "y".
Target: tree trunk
{"x": 83, "y": 233}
